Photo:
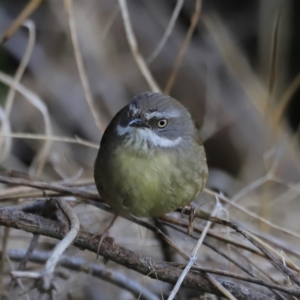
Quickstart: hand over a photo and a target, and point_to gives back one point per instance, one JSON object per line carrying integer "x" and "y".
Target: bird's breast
{"x": 149, "y": 183}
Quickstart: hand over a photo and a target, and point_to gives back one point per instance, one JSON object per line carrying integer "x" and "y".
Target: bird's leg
{"x": 191, "y": 208}
{"x": 105, "y": 233}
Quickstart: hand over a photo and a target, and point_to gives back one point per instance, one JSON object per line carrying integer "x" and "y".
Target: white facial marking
{"x": 134, "y": 110}
{"x": 123, "y": 130}
{"x": 159, "y": 115}
{"x": 138, "y": 138}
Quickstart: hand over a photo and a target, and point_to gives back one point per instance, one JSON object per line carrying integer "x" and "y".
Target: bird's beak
{"x": 137, "y": 123}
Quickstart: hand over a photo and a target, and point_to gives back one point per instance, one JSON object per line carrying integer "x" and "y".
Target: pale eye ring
{"x": 162, "y": 123}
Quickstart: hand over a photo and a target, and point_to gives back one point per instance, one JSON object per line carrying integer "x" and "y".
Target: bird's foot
{"x": 105, "y": 233}
{"x": 190, "y": 208}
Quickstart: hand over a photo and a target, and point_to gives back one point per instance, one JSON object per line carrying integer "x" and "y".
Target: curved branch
{"x": 120, "y": 255}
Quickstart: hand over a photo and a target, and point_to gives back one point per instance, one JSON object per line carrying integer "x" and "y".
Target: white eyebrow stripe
{"x": 157, "y": 114}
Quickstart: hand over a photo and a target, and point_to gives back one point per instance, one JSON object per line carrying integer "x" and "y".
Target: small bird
{"x": 151, "y": 160}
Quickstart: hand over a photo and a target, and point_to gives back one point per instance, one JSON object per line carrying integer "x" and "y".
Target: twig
{"x": 184, "y": 47}
{"x": 23, "y": 262}
{"x": 28, "y": 192}
{"x": 33, "y": 136}
{"x": 254, "y": 240}
{"x": 253, "y": 215}
{"x": 80, "y": 65}
{"x": 81, "y": 265}
{"x": 134, "y": 48}
{"x": 264, "y": 273}
{"x": 167, "y": 33}
{"x": 26, "y": 12}
{"x": 233, "y": 261}
{"x": 12, "y": 91}
{"x": 48, "y": 273}
{"x": 112, "y": 251}
{"x": 250, "y": 187}
{"x": 64, "y": 244}
{"x": 193, "y": 258}
{"x": 169, "y": 220}
{"x": 2, "y": 262}
{"x": 285, "y": 99}
{"x": 19, "y": 281}
{"x": 218, "y": 220}
{"x": 272, "y": 71}
{"x": 32, "y": 246}
{"x": 40, "y": 158}
{"x": 86, "y": 195}
{"x": 110, "y": 22}
{"x": 167, "y": 251}
{"x": 48, "y": 186}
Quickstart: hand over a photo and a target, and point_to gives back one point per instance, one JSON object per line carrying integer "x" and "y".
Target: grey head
{"x": 154, "y": 120}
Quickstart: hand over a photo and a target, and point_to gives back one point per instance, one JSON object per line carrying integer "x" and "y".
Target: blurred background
{"x": 239, "y": 78}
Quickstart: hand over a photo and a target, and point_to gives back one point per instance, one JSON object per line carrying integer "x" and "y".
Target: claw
{"x": 105, "y": 233}
{"x": 192, "y": 210}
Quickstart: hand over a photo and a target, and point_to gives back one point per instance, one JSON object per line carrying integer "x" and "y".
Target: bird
{"x": 151, "y": 160}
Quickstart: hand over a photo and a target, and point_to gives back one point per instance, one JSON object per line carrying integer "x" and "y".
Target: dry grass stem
{"x": 64, "y": 139}
{"x": 134, "y": 48}
{"x": 273, "y": 56}
{"x": 80, "y": 65}
{"x": 26, "y": 12}
{"x": 167, "y": 33}
{"x": 253, "y": 215}
{"x": 5, "y": 129}
{"x": 193, "y": 258}
{"x": 112, "y": 251}
{"x": 3, "y": 258}
{"x": 110, "y": 22}
{"x": 40, "y": 159}
{"x": 76, "y": 263}
{"x": 48, "y": 274}
{"x": 184, "y": 47}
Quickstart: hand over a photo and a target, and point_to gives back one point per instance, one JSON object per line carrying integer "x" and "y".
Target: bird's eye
{"x": 162, "y": 123}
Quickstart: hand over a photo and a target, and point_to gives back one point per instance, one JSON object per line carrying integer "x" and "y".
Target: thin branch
{"x": 79, "y": 264}
{"x": 12, "y": 91}
{"x": 112, "y": 251}
{"x": 167, "y": 33}
{"x": 167, "y": 220}
{"x": 251, "y": 214}
{"x": 48, "y": 274}
{"x": 64, "y": 244}
{"x": 254, "y": 240}
{"x": 96, "y": 270}
{"x": 110, "y": 22}
{"x": 39, "y": 160}
{"x": 286, "y": 97}
{"x": 50, "y": 186}
{"x": 65, "y": 139}
{"x": 134, "y": 48}
{"x": 80, "y": 65}
{"x": 184, "y": 47}
{"x": 3, "y": 258}
{"x": 26, "y": 12}
{"x": 23, "y": 262}
{"x": 32, "y": 246}
{"x": 193, "y": 257}
{"x": 272, "y": 72}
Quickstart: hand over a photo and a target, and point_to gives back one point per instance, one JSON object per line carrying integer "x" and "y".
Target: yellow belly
{"x": 150, "y": 185}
